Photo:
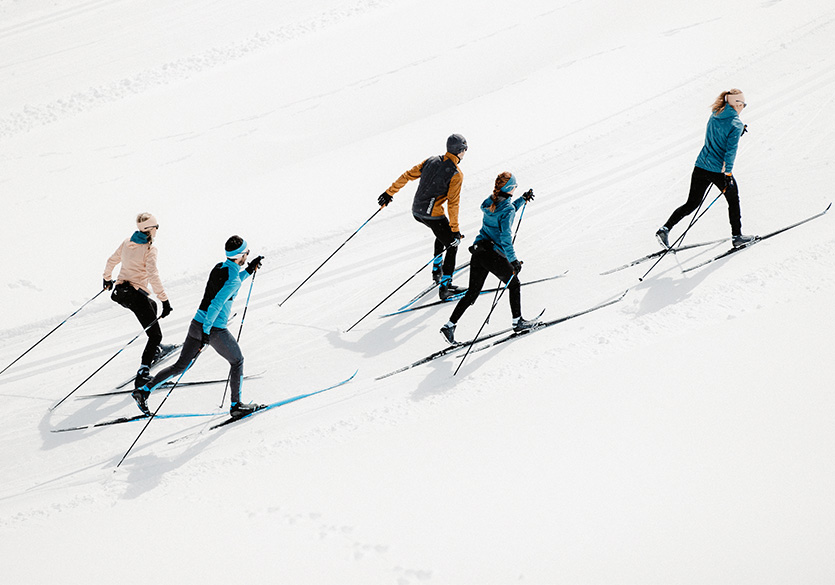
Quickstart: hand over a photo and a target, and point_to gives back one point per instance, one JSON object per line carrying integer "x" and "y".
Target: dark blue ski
{"x": 127, "y": 419}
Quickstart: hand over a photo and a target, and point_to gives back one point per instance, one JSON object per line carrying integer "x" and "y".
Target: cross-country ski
{"x": 756, "y": 240}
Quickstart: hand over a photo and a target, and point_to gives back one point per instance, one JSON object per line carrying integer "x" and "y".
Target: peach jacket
{"x": 139, "y": 267}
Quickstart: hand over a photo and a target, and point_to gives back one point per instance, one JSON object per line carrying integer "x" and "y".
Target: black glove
{"x": 254, "y": 264}
{"x": 107, "y": 284}
{"x": 384, "y": 199}
{"x": 458, "y": 237}
{"x": 517, "y": 266}
{"x": 729, "y": 182}
{"x": 204, "y": 340}
{"x": 166, "y": 309}
{"x": 528, "y": 195}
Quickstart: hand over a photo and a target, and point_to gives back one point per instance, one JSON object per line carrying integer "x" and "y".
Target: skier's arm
{"x": 153, "y": 274}
{"x": 216, "y": 305}
{"x": 730, "y": 150}
{"x": 114, "y": 259}
{"x": 410, "y": 175}
{"x": 454, "y": 199}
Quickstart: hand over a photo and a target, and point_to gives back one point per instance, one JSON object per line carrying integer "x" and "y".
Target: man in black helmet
{"x": 440, "y": 182}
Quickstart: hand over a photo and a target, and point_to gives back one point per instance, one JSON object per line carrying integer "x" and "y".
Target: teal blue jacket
{"x": 497, "y": 225}
{"x": 721, "y": 141}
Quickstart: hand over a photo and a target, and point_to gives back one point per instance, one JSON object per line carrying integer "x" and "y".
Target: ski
{"x": 547, "y": 324}
{"x": 662, "y": 252}
{"x": 758, "y": 239}
{"x": 460, "y": 295}
{"x": 169, "y": 384}
{"x": 166, "y": 357}
{"x": 432, "y": 287}
{"x": 264, "y": 407}
{"x": 127, "y": 419}
{"x": 450, "y": 349}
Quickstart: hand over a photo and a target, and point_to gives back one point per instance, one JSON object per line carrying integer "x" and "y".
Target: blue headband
{"x": 511, "y": 183}
{"x": 238, "y": 252}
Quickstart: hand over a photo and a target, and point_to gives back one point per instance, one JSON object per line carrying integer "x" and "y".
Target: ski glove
{"x": 107, "y": 284}
{"x": 254, "y": 264}
{"x": 528, "y": 195}
{"x": 517, "y": 266}
{"x": 384, "y": 199}
{"x": 204, "y": 340}
{"x": 729, "y": 182}
{"x": 458, "y": 237}
{"x": 166, "y": 309}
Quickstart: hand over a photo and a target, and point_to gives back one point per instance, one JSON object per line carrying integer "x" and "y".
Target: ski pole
{"x": 397, "y": 289}
{"x": 696, "y": 217}
{"x": 470, "y": 346}
{"x": 159, "y": 407}
{"x": 56, "y": 405}
{"x": 331, "y": 256}
{"x": 251, "y": 283}
{"x": 51, "y": 332}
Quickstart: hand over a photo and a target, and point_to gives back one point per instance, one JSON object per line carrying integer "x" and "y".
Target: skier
{"x": 138, "y": 257}
{"x": 715, "y": 165}
{"x": 492, "y": 252}
{"x": 209, "y": 327}
{"x": 440, "y": 182}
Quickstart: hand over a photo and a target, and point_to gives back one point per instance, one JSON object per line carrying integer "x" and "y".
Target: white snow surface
{"x": 683, "y": 435}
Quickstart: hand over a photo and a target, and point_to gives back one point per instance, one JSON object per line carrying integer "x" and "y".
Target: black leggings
{"x": 486, "y": 260}
{"x": 443, "y": 238}
{"x": 222, "y": 341}
{"x": 145, "y": 310}
{"x": 700, "y": 180}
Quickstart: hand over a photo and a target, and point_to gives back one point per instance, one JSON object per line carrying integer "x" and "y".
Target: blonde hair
{"x": 722, "y": 101}
{"x": 501, "y": 181}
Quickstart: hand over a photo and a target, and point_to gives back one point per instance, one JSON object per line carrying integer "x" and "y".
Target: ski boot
{"x": 663, "y": 235}
{"x": 740, "y": 240}
{"x": 448, "y": 289}
{"x": 162, "y": 351}
{"x": 448, "y": 331}
{"x": 143, "y": 376}
{"x": 521, "y": 326}
{"x": 240, "y": 410}
{"x": 140, "y": 396}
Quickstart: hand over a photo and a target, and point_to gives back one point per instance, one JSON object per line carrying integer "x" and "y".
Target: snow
{"x": 683, "y": 435}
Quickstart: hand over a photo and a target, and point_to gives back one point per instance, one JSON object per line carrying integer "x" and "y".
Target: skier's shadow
{"x": 663, "y": 291}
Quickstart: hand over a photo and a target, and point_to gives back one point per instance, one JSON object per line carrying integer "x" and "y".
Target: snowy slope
{"x": 681, "y": 436}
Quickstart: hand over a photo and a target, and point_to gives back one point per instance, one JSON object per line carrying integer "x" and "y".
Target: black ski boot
{"x": 448, "y": 331}
{"x": 240, "y": 410}
{"x": 162, "y": 351}
{"x": 140, "y": 396}
{"x": 143, "y": 376}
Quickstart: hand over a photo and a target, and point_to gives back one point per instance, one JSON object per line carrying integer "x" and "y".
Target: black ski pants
{"x": 444, "y": 238}
{"x": 700, "y": 181}
{"x": 222, "y": 341}
{"x": 485, "y": 260}
{"x": 145, "y": 310}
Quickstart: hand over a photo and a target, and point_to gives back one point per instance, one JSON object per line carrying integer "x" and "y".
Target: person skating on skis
{"x": 132, "y": 289}
{"x": 493, "y": 253}
{"x": 715, "y": 165}
{"x": 440, "y": 182}
{"x": 209, "y": 327}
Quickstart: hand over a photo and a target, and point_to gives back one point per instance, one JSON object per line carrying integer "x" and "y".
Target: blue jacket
{"x": 221, "y": 289}
{"x": 721, "y": 141}
{"x": 497, "y": 225}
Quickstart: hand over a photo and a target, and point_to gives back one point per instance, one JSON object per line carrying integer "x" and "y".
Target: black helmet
{"x": 456, "y": 144}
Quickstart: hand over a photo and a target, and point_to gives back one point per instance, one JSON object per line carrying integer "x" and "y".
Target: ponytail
{"x": 501, "y": 181}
